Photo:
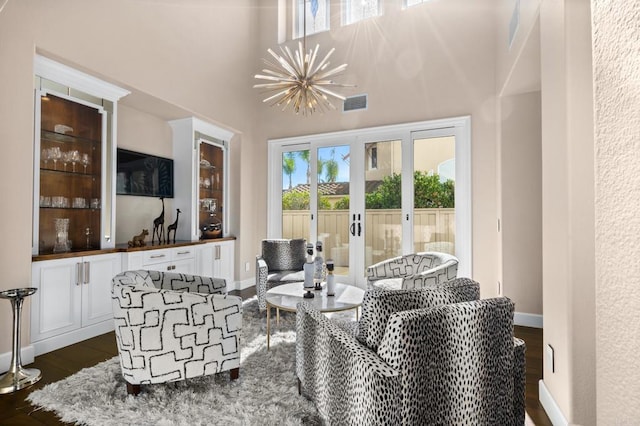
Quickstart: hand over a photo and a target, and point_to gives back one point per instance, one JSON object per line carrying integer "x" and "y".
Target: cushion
{"x": 388, "y": 284}
{"x": 378, "y": 305}
{"x": 286, "y": 276}
{"x": 283, "y": 255}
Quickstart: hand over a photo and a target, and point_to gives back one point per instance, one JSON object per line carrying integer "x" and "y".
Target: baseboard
{"x": 527, "y": 320}
{"x": 56, "y": 342}
{"x": 241, "y": 285}
{"x": 550, "y": 406}
{"x": 27, "y": 354}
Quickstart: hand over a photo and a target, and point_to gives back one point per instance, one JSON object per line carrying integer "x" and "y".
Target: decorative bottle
{"x": 309, "y": 272}
{"x": 318, "y": 272}
{"x": 331, "y": 279}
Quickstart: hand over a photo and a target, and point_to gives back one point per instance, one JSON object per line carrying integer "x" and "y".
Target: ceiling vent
{"x": 355, "y": 103}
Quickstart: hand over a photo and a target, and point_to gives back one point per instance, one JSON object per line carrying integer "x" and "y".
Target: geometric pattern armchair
{"x": 415, "y": 270}
{"x": 281, "y": 262}
{"x": 172, "y": 326}
{"x": 454, "y": 363}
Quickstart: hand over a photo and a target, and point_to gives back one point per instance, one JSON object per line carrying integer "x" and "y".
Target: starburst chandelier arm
{"x": 275, "y": 78}
{"x": 330, "y": 93}
{"x": 324, "y": 61}
{"x": 312, "y": 59}
{"x": 272, "y": 73}
{"x": 334, "y": 71}
{"x": 292, "y": 60}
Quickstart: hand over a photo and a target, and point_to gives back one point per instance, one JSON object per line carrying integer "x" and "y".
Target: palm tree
{"x": 331, "y": 168}
{"x": 304, "y": 155}
{"x": 289, "y": 165}
{"x": 321, "y": 164}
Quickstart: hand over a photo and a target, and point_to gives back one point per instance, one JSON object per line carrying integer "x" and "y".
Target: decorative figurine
{"x": 138, "y": 240}
{"x": 318, "y": 272}
{"x": 308, "y": 273}
{"x": 173, "y": 227}
{"x": 158, "y": 225}
{"x": 331, "y": 279}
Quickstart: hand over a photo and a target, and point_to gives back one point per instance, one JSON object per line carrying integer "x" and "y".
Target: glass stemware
{"x": 45, "y": 156}
{"x": 55, "y": 154}
{"x": 75, "y": 158}
{"x": 84, "y": 160}
{"x": 66, "y": 158}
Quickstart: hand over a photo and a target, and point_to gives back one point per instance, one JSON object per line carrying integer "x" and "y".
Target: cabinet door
{"x": 56, "y": 305}
{"x": 96, "y": 287}
{"x": 184, "y": 266}
{"x": 204, "y": 260}
{"x": 223, "y": 261}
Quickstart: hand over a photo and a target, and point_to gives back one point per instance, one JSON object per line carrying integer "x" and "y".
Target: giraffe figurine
{"x": 158, "y": 225}
{"x": 173, "y": 227}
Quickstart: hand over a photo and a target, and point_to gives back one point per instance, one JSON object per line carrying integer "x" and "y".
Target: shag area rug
{"x": 265, "y": 393}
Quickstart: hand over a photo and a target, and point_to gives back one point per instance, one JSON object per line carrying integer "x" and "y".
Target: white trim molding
{"x": 55, "y": 71}
{"x": 527, "y": 320}
{"x": 550, "y": 406}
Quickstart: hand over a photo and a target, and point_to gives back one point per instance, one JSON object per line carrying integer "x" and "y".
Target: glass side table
{"x": 17, "y": 377}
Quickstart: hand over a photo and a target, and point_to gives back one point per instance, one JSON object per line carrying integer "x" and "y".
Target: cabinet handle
{"x": 217, "y": 253}
{"x": 184, "y": 252}
{"x": 87, "y": 272}
{"x": 78, "y": 272}
{"x": 157, "y": 256}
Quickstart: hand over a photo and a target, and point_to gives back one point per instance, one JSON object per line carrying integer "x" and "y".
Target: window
{"x": 373, "y": 158}
{"x": 409, "y": 3}
{"x": 317, "y": 16}
{"x": 357, "y": 10}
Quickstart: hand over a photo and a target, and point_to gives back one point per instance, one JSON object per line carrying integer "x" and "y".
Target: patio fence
{"x": 434, "y": 230}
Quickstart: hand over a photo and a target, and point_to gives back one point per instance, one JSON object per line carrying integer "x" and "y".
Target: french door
{"x": 372, "y": 194}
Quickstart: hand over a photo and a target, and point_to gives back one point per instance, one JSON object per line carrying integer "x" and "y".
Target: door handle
{"x": 359, "y": 229}
{"x": 78, "y": 272}
{"x": 217, "y": 256}
{"x": 353, "y": 229}
{"x": 87, "y": 272}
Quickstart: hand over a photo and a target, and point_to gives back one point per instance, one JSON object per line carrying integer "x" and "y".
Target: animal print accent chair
{"x": 379, "y": 305}
{"x": 448, "y": 364}
{"x": 281, "y": 262}
{"x": 415, "y": 270}
{"x": 172, "y": 326}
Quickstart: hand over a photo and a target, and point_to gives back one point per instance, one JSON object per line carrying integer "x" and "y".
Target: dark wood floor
{"x": 56, "y": 365}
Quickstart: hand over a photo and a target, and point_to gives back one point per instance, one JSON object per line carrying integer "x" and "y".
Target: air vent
{"x": 355, "y": 103}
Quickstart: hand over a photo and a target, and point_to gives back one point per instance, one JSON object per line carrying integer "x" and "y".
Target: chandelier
{"x": 297, "y": 79}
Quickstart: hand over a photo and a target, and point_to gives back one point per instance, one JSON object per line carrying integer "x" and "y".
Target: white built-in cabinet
{"x": 176, "y": 259}
{"x": 73, "y": 301}
{"x": 201, "y": 179}
{"x": 217, "y": 259}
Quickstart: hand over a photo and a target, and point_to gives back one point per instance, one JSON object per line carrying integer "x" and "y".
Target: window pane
{"x": 409, "y": 3}
{"x": 434, "y": 192}
{"x": 357, "y": 10}
{"x": 317, "y": 16}
{"x": 383, "y": 201}
{"x": 295, "y": 194}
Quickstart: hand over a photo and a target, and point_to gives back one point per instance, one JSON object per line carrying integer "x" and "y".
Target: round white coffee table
{"x": 287, "y": 296}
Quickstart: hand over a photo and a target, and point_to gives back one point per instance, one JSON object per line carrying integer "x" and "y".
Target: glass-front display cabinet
{"x": 201, "y": 178}
{"x": 211, "y": 183}
{"x": 73, "y": 163}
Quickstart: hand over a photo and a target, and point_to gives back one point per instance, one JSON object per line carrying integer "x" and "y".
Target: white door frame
{"x": 460, "y": 127}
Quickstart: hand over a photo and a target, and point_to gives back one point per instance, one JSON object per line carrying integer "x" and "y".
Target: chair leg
{"x": 133, "y": 389}
{"x": 234, "y": 373}
{"x": 299, "y": 387}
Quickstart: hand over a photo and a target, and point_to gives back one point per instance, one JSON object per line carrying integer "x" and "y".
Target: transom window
{"x": 409, "y": 3}
{"x": 317, "y": 16}
{"x": 357, "y": 10}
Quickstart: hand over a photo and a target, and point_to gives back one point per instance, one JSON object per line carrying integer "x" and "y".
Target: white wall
{"x": 616, "y": 70}
{"x": 521, "y": 213}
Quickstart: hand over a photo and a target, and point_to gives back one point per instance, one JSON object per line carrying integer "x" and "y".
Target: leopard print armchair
{"x": 172, "y": 326}
{"x": 280, "y": 262}
{"x": 415, "y": 270}
{"x": 445, "y": 364}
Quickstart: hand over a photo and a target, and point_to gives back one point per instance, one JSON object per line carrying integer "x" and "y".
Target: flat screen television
{"x": 143, "y": 174}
